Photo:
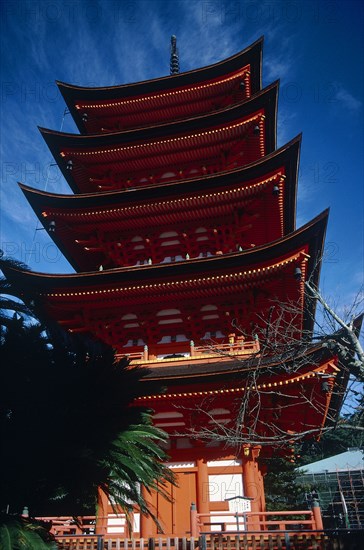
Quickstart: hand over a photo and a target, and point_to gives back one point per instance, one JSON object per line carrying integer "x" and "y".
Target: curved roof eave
{"x": 267, "y": 98}
{"x": 251, "y": 55}
{"x": 287, "y": 155}
{"x": 312, "y": 232}
{"x": 202, "y": 372}
{"x": 315, "y": 353}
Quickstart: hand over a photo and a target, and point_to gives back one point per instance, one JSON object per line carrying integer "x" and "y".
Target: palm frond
{"x": 19, "y": 534}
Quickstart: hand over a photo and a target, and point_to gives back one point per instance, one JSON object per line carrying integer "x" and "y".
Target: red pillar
{"x": 203, "y": 497}
{"x": 102, "y": 509}
{"x": 147, "y": 525}
{"x": 194, "y": 521}
{"x": 253, "y": 484}
{"x": 316, "y": 510}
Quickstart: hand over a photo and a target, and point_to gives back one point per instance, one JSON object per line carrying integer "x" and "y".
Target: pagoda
{"x": 181, "y": 230}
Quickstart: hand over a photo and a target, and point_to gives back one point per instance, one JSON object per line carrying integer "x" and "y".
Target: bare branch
{"x": 279, "y": 415}
{"x": 348, "y": 329}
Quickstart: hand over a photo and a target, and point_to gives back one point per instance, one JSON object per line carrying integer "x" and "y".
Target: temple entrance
{"x": 175, "y": 515}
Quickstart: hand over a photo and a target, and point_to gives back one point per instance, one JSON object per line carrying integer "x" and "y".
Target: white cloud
{"x": 347, "y": 100}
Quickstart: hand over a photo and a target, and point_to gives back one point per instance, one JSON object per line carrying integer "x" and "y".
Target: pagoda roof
{"x": 166, "y": 145}
{"x": 225, "y": 367}
{"x": 133, "y": 210}
{"x": 191, "y": 85}
{"x": 124, "y": 288}
{"x": 284, "y": 393}
{"x": 221, "y": 384}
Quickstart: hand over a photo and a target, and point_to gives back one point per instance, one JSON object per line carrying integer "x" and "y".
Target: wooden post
{"x": 145, "y": 353}
{"x": 146, "y": 522}
{"x": 231, "y": 341}
{"x": 316, "y": 510}
{"x": 102, "y": 508}
{"x": 253, "y": 485}
{"x": 193, "y": 521}
{"x": 192, "y": 348}
{"x": 203, "y": 497}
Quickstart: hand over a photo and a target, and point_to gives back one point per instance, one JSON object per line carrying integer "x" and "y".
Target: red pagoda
{"x": 181, "y": 230}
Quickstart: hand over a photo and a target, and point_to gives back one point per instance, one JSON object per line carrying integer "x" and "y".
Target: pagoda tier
{"x": 242, "y": 208}
{"x": 211, "y": 143}
{"x": 210, "y": 395}
{"x": 166, "y": 306}
{"x": 115, "y": 108}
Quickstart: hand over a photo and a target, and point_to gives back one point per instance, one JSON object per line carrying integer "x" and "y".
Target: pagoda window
{"x": 171, "y": 414}
{"x": 201, "y": 234}
{"x": 212, "y": 334}
{"x": 219, "y": 422}
{"x": 168, "y": 175}
{"x": 168, "y": 234}
{"x": 184, "y": 443}
{"x": 209, "y": 307}
{"x": 211, "y": 316}
{"x": 168, "y": 259}
{"x": 168, "y": 312}
{"x": 216, "y": 412}
{"x": 170, "y": 243}
{"x": 134, "y": 342}
{"x": 128, "y": 316}
{"x": 170, "y": 239}
{"x": 181, "y": 338}
{"x": 166, "y": 339}
{"x": 208, "y": 334}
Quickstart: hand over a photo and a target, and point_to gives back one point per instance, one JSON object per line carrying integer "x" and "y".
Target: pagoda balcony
{"x": 223, "y": 530}
{"x": 165, "y": 354}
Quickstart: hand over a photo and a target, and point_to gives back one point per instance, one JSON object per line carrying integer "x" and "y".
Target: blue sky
{"x": 314, "y": 47}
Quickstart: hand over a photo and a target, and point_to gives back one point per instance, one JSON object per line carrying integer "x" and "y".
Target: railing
{"x": 318, "y": 540}
{"x": 67, "y": 525}
{"x": 256, "y": 521}
{"x": 236, "y": 348}
{"x": 284, "y": 540}
{"x": 98, "y": 542}
{"x": 200, "y": 523}
{"x": 209, "y": 531}
{"x": 179, "y": 352}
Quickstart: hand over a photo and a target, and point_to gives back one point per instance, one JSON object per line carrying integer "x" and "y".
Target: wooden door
{"x": 175, "y": 516}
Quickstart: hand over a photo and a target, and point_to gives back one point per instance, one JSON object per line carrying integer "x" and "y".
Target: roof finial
{"x": 174, "y": 66}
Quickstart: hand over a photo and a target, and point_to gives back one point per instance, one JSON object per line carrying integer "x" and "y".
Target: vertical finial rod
{"x": 174, "y": 65}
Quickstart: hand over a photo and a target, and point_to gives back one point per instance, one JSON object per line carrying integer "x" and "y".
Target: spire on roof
{"x": 174, "y": 65}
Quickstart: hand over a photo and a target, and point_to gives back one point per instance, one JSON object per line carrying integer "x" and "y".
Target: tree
{"x": 68, "y": 424}
{"x": 10, "y": 308}
{"x": 340, "y": 439}
{"x": 346, "y": 343}
{"x": 17, "y": 533}
{"x": 264, "y": 411}
{"x": 281, "y": 491}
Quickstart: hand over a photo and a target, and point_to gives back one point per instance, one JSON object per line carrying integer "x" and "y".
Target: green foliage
{"x": 16, "y": 533}
{"x": 281, "y": 492}
{"x": 69, "y": 424}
